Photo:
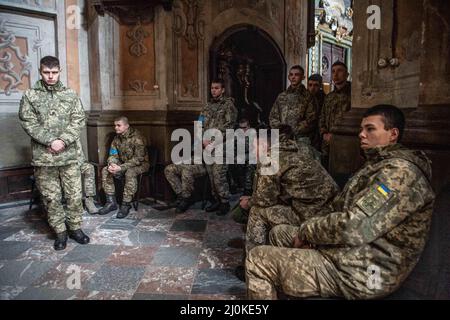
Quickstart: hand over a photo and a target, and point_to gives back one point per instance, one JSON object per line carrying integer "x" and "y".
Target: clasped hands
{"x": 114, "y": 168}
{"x": 301, "y": 244}
{"x": 56, "y": 146}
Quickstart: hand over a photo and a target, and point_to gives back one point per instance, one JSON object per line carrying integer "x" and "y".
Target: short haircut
{"x": 219, "y": 81}
{"x": 315, "y": 77}
{"x": 122, "y": 118}
{"x": 49, "y": 62}
{"x": 392, "y": 116}
{"x": 298, "y": 67}
{"x": 244, "y": 120}
{"x": 339, "y": 63}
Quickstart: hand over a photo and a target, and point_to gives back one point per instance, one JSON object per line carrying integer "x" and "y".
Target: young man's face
{"x": 295, "y": 77}
{"x": 120, "y": 126}
{"x": 313, "y": 87}
{"x": 339, "y": 74}
{"x": 244, "y": 126}
{"x": 373, "y": 133}
{"x": 217, "y": 90}
{"x": 50, "y": 75}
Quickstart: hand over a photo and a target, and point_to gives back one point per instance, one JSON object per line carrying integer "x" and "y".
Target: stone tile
{"x": 90, "y": 253}
{"x": 110, "y": 237}
{"x": 6, "y": 232}
{"x": 115, "y": 278}
{"x": 10, "y": 292}
{"x": 32, "y": 293}
{"x": 166, "y": 214}
{"x": 224, "y": 258}
{"x": 12, "y": 249}
{"x": 29, "y": 235}
{"x": 146, "y": 296}
{"x": 62, "y": 276}
{"x": 45, "y": 252}
{"x": 181, "y": 239}
{"x": 193, "y": 214}
{"x": 189, "y": 225}
{"x": 92, "y": 222}
{"x": 146, "y": 238}
{"x": 176, "y": 257}
{"x": 167, "y": 280}
{"x": 22, "y": 273}
{"x": 97, "y": 295}
{"x": 132, "y": 256}
{"x": 162, "y": 225}
{"x": 120, "y": 224}
{"x": 220, "y": 239}
{"x": 218, "y": 281}
{"x": 217, "y": 226}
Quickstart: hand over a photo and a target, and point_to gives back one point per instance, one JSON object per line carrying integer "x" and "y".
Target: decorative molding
{"x": 189, "y": 21}
{"x": 225, "y": 5}
{"x": 138, "y": 85}
{"x": 190, "y": 90}
{"x": 14, "y": 78}
{"x": 294, "y": 31}
{"x": 137, "y": 34}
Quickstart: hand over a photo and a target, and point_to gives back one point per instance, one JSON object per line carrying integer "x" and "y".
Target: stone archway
{"x": 253, "y": 68}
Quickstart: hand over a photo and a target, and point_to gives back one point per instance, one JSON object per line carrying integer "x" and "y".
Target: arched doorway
{"x": 253, "y": 68}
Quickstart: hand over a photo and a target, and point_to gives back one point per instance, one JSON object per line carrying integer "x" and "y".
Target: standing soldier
{"x": 367, "y": 246}
{"x": 336, "y": 104}
{"x": 181, "y": 178}
{"x": 295, "y": 108}
{"x": 128, "y": 157}
{"x": 221, "y": 114}
{"x": 53, "y": 116}
{"x": 316, "y": 90}
{"x": 88, "y": 180}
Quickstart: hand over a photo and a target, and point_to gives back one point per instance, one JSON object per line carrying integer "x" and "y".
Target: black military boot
{"x": 79, "y": 236}
{"x": 124, "y": 210}
{"x": 184, "y": 204}
{"x": 224, "y": 207}
{"x": 110, "y": 205}
{"x": 60, "y": 241}
{"x": 213, "y": 207}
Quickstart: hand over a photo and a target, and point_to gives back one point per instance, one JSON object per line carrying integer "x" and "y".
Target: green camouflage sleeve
{"x": 77, "y": 121}
{"x": 322, "y": 118}
{"x": 29, "y": 122}
{"x": 267, "y": 191}
{"x": 274, "y": 116}
{"x": 231, "y": 116}
{"x": 398, "y": 192}
{"x": 306, "y": 125}
{"x": 113, "y": 155}
{"x": 139, "y": 154}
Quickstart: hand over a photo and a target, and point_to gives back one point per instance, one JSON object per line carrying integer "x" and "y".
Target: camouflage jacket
{"x": 335, "y": 105}
{"x": 220, "y": 114}
{"x": 294, "y": 107}
{"x": 129, "y": 150}
{"x": 301, "y": 182}
{"x": 380, "y": 222}
{"x": 50, "y": 113}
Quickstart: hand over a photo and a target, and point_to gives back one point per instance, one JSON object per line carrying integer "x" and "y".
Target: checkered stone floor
{"x": 152, "y": 254}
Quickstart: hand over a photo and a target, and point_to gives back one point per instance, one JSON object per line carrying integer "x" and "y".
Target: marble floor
{"x": 152, "y": 254}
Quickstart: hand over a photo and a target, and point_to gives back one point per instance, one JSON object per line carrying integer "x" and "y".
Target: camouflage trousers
{"x": 51, "y": 183}
{"x": 88, "y": 178}
{"x": 304, "y": 146}
{"x": 181, "y": 177}
{"x": 262, "y": 220}
{"x": 295, "y": 272}
{"x": 219, "y": 181}
{"x": 130, "y": 186}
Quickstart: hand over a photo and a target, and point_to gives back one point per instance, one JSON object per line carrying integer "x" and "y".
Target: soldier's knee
{"x": 105, "y": 172}
{"x": 130, "y": 173}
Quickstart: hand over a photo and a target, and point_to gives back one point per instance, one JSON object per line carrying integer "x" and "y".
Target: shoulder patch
{"x": 113, "y": 152}
{"x": 376, "y": 197}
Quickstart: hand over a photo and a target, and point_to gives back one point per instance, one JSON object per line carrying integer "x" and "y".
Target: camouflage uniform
{"x": 315, "y": 136}
{"x": 48, "y": 113}
{"x": 380, "y": 222}
{"x": 220, "y": 114}
{"x": 295, "y": 107}
{"x": 299, "y": 191}
{"x": 182, "y": 176}
{"x": 87, "y": 173}
{"x": 245, "y": 172}
{"x": 129, "y": 151}
{"x": 336, "y": 104}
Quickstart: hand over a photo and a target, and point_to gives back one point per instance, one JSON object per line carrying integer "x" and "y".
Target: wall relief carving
{"x": 10, "y": 72}
{"x": 137, "y": 34}
{"x": 189, "y": 21}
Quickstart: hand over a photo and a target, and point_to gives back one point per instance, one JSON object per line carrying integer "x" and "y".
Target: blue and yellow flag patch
{"x": 113, "y": 152}
{"x": 375, "y": 198}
